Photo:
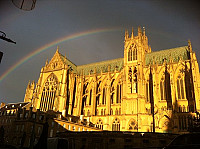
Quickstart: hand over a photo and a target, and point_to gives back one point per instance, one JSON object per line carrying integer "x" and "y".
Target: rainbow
{"x": 49, "y": 45}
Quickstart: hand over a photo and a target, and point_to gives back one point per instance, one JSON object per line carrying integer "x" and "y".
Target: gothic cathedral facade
{"x": 143, "y": 92}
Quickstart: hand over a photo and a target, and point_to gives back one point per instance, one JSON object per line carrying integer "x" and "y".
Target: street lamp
{"x": 24, "y": 4}
{"x": 3, "y": 37}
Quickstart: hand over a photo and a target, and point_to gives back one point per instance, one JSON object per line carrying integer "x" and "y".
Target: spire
{"x": 29, "y": 84}
{"x": 189, "y": 46}
{"x": 132, "y": 34}
{"x": 33, "y": 84}
{"x": 57, "y": 50}
{"x": 126, "y": 34}
{"x": 46, "y": 62}
{"x": 143, "y": 31}
{"x": 149, "y": 48}
{"x": 139, "y": 31}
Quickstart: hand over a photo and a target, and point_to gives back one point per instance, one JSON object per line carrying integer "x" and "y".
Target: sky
{"x": 86, "y": 31}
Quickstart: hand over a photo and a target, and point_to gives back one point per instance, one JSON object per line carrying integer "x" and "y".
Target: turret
{"x": 46, "y": 63}
{"x": 126, "y": 35}
{"x": 190, "y": 46}
{"x": 144, "y": 31}
{"x": 132, "y": 34}
{"x": 139, "y": 31}
{"x": 33, "y": 85}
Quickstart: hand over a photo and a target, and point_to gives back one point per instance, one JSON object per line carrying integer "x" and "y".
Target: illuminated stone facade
{"x": 144, "y": 91}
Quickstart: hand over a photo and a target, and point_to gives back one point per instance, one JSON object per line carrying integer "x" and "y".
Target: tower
{"x": 135, "y": 48}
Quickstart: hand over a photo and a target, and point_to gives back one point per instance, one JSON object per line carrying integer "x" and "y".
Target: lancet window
{"x": 97, "y": 92}
{"x": 162, "y": 89}
{"x": 132, "y": 78}
{"x": 85, "y": 93}
{"x": 49, "y": 93}
{"x": 180, "y": 88}
{"x": 116, "y": 125}
{"x": 104, "y": 96}
{"x": 147, "y": 93}
{"x": 112, "y": 91}
{"x": 132, "y": 125}
{"x": 90, "y": 100}
{"x": 119, "y": 93}
{"x": 132, "y": 53}
{"x": 99, "y": 124}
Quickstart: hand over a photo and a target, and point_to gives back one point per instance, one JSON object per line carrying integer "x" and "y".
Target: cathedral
{"x": 144, "y": 91}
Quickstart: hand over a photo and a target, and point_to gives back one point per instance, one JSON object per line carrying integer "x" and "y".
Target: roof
{"x": 68, "y": 62}
{"x": 101, "y": 66}
{"x": 174, "y": 54}
{"x": 14, "y": 106}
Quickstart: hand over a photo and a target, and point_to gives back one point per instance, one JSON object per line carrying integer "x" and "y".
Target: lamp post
{"x": 24, "y": 4}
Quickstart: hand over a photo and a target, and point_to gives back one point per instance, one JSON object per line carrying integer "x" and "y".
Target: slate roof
{"x": 101, "y": 66}
{"x": 175, "y": 54}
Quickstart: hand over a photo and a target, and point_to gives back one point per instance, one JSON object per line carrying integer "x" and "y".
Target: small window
{"x": 69, "y": 127}
{"x": 41, "y": 117}
{"x": 51, "y": 133}
{"x": 52, "y": 124}
{"x": 39, "y": 130}
{"x": 26, "y": 115}
{"x": 33, "y": 116}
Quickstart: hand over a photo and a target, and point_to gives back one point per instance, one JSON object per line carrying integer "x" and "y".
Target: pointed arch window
{"x": 99, "y": 124}
{"x": 147, "y": 93}
{"x": 132, "y": 78}
{"x": 112, "y": 91}
{"x": 98, "y": 92}
{"x": 180, "y": 88}
{"x": 49, "y": 93}
{"x": 162, "y": 89}
{"x": 90, "y": 100}
{"x": 85, "y": 93}
{"x": 132, "y": 125}
{"x": 116, "y": 125}
{"x": 119, "y": 93}
{"x": 132, "y": 53}
{"x": 104, "y": 96}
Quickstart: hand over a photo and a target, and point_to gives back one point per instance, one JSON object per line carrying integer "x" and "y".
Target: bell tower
{"x": 135, "y": 48}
